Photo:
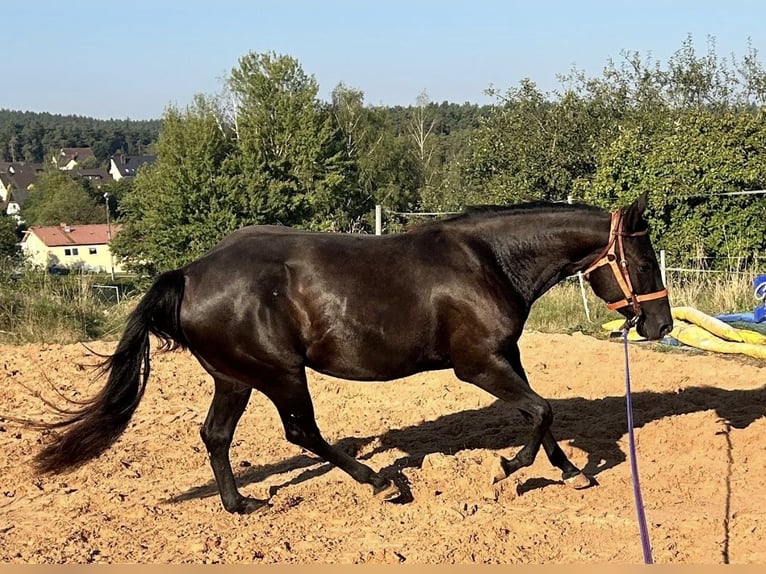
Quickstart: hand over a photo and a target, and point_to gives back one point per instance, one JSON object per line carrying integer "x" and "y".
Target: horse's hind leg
{"x": 229, "y": 402}
{"x": 293, "y": 401}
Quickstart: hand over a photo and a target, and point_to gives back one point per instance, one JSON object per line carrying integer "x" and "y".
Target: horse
{"x": 268, "y": 302}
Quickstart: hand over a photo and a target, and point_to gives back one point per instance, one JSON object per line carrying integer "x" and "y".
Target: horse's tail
{"x": 93, "y": 427}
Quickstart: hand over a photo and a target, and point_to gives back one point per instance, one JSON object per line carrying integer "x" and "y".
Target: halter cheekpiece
{"x": 614, "y": 256}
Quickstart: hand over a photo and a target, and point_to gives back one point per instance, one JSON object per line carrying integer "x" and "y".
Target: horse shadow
{"x": 595, "y": 426}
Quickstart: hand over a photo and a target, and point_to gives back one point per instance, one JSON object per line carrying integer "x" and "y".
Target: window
{"x": 91, "y": 250}
{"x": 72, "y": 251}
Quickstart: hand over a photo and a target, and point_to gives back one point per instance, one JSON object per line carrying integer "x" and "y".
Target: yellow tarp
{"x": 696, "y": 329}
{"x": 616, "y": 325}
{"x": 696, "y": 336}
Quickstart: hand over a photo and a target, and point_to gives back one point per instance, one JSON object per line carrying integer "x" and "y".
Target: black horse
{"x": 267, "y": 302}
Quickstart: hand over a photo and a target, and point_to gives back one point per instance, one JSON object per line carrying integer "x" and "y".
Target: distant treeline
{"x": 33, "y": 137}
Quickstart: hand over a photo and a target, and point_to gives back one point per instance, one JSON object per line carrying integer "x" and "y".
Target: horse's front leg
{"x": 570, "y": 474}
{"x": 502, "y": 376}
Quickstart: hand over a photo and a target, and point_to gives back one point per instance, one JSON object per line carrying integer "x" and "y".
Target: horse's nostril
{"x": 665, "y": 329}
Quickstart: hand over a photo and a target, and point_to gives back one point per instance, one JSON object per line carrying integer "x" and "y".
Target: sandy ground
{"x": 701, "y": 433}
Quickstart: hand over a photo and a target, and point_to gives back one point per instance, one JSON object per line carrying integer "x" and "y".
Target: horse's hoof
{"x": 578, "y": 481}
{"x": 497, "y": 471}
{"x": 388, "y": 492}
{"x": 250, "y": 506}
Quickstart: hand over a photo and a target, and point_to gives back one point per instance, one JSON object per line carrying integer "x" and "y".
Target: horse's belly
{"x": 372, "y": 356}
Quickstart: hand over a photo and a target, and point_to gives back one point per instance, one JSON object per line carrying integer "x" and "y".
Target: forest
{"x": 32, "y": 137}
{"x": 266, "y": 149}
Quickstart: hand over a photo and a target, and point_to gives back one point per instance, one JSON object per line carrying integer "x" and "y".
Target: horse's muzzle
{"x": 653, "y": 334}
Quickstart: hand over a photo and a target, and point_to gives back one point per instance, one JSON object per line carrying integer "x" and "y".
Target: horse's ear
{"x": 633, "y": 214}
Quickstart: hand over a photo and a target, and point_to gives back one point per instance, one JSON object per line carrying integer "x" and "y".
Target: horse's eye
{"x": 644, "y": 267}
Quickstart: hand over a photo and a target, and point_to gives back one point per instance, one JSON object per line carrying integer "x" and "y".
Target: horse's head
{"x": 627, "y": 276}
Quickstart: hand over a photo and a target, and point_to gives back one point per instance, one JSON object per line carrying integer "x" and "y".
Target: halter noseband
{"x": 619, "y": 265}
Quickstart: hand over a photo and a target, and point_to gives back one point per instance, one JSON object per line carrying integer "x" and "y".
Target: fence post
{"x": 663, "y": 268}
{"x": 378, "y": 220}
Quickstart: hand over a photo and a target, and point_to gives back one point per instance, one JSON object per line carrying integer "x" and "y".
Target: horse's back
{"x": 388, "y": 256}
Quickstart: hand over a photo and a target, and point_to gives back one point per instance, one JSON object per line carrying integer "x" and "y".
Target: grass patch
{"x": 714, "y": 293}
{"x": 37, "y": 307}
{"x": 561, "y": 309}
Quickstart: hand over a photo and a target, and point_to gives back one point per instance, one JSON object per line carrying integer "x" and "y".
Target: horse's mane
{"x": 480, "y": 212}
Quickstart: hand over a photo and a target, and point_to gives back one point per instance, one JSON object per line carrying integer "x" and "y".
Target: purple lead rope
{"x": 645, "y": 543}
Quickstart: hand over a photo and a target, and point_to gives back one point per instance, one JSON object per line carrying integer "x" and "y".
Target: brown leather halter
{"x": 614, "y": 256}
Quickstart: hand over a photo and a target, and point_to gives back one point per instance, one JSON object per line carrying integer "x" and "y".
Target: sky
{"x": 134, "y": 58}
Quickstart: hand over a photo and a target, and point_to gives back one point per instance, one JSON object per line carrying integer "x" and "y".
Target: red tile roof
{"x": 56, "y": 236}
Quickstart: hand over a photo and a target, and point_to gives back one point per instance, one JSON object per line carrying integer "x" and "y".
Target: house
{"x": 6, "y": 185}
{"x": 16, "y": 199}
{"x": 17, "y": 175}
{"x": 76, "y": 247}
{"x": 16, "y": 182}
{"x": 6, "y": 166}
{"x": 97, "y": 175}
{"x": 121, "y": 165}
{"x": 69, "y": 157}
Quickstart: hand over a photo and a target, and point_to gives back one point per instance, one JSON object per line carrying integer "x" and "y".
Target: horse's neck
{"x": 537, "y": 254}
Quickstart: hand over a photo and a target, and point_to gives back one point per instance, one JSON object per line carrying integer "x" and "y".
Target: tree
{"x": 58, "y": 197}
{"x": 116, "y": 191}
{"x": 682, "y": 131}
{"x": 265, "y": 151}
{"x": 361, "y": 128}
{"x": 699, "y": 153}
{"x": 88, "y": 163}
{"x": 534, "y": 146}
{"x": 9, "y": 236}
{"x": 287, "y": 144}
{"x": 420, "y": 128}
{"x": 182, "y": 204}
{"x": 383, "y": 168}
{"x": 33, "y": 137}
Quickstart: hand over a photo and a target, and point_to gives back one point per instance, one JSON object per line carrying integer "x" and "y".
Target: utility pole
{"x": 109, "y": 235}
